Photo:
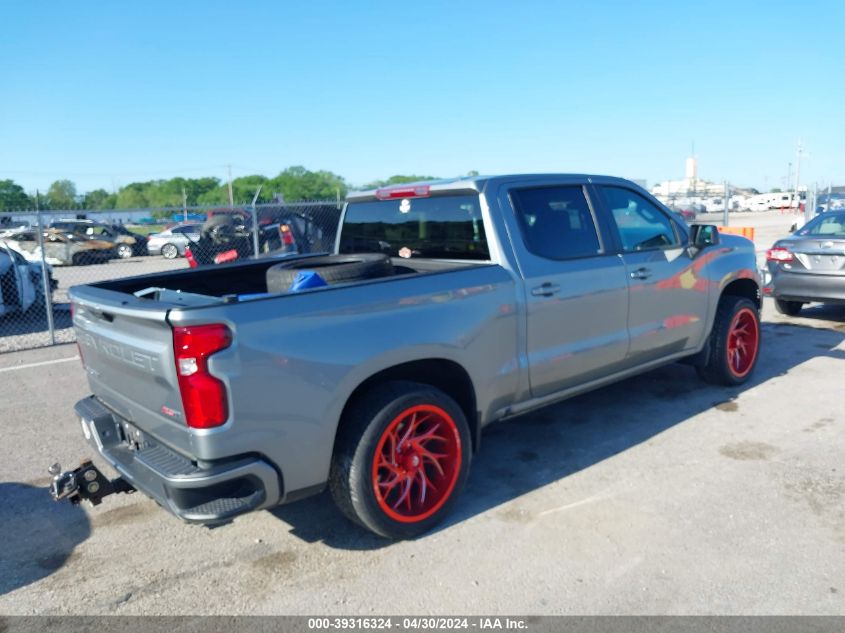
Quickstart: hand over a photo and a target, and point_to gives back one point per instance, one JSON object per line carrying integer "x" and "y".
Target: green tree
{"x": 133, "y": 196}
{"x": 99, "y": 199}
{"x": 297, "y": 184}
{"x": 243, "y": 191}
{"x": 244, "y": 188}
{"x": 197, "y": 187}
{"x": 13, "y": 197}
{"x": 776, "y": 190}
{"x": 396, "y": 180}
{"x": 165, "y": 193}
{"x": 62, "y": 195}
{"x": 214, "y": 198}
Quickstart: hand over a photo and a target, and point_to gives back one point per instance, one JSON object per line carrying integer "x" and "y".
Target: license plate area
{"x": 100, "y": 431}
{"x": 107, "y": 432}
{"x": 131, "y": 436}
{"x": 822, "y": 261}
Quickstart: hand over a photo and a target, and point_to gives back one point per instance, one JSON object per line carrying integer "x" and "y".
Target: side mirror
{"x": 704, "y": 235}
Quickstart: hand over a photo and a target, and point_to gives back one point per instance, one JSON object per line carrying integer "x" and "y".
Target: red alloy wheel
{"x": 743, "y": 342}
{"x": 417, "y": 463}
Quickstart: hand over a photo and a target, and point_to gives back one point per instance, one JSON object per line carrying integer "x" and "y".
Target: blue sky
{"x": 106, "y": 93}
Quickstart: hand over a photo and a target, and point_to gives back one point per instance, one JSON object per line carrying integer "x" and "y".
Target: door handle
{"x": 641, "y": 273}
{"x": 546, "y": 290}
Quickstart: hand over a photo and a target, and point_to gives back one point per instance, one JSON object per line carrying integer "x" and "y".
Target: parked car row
{"x": 224, "y": 235}
{"x": 73, "y": 242}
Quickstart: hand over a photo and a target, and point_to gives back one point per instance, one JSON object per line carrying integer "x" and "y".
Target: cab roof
{"x": 471, "y": 184}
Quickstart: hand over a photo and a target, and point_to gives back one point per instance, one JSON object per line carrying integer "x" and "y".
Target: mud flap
{"x": 86, "y": 482}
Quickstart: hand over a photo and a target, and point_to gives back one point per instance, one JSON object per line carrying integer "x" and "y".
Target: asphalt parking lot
{"x": 657, "y": 495}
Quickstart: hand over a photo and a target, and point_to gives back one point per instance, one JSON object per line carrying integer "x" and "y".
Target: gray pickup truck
{"x": 447, "y": 306}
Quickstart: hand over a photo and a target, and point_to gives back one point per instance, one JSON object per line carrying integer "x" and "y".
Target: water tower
{"x": 691, "y": 173}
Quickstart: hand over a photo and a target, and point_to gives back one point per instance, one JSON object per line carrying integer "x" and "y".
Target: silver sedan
{"x": 172, "y": 242}
{"x": 809, "y": 265}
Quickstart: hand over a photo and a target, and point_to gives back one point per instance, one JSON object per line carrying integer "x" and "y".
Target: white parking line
{"x": 46, "y": 362}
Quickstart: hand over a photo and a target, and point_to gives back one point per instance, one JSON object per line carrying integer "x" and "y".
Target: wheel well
{"x": 446, "y": 375}
{"x": 746, "y": 288}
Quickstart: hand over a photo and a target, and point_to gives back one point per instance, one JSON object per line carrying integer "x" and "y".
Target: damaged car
{"x": 62, "y": 249}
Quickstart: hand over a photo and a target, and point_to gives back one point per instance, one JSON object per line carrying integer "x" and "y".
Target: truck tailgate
{"x": 127, "y": 350}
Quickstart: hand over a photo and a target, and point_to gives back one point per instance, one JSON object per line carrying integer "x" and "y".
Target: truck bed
{"x": 247, "y": 278}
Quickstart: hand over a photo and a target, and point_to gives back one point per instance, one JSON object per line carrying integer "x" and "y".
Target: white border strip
{"x": 46, "y": 362}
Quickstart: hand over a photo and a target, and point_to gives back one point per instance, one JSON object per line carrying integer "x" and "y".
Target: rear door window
{"x": 443, "y": 227}
{"x": 187, "y": 229}
{"x": 556, "y": 222}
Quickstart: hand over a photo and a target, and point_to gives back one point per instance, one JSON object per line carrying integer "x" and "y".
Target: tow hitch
{"x": 86, "y": 482}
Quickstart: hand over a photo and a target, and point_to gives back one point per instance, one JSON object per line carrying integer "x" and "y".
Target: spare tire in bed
{"x": 334, "y": 269}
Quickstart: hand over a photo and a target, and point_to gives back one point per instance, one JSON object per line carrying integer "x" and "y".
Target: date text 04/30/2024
{"x": 416, "y": 623}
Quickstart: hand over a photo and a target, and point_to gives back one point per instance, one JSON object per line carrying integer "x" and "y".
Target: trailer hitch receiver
{"x": 86, "y": 482}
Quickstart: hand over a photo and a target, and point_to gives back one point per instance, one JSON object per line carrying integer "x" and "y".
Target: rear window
{"x": 828, "y": 224}
{"x": 444, "y": 227}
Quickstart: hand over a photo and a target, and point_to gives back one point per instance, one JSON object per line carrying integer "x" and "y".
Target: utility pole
{"x": 45, "y": 274}
{"x": 725, "y": 218}
{"x": 255, "y": 221}
{"x": 798, "y": 167}
{"x": 184, "y": 205}
{"x": 810, "y": 205}
{"x": 231, "y": 197}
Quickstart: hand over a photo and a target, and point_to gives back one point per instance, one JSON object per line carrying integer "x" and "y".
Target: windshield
{"x": 444, "y": 227}
{"x": 827, "y": 224}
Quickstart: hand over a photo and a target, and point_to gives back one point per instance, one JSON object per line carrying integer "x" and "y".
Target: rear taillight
{"x": 417, "y": 191}
{"x": 779, "y": 254}
{"x": 203, "y": 396}
{"x": 226, "y": 256}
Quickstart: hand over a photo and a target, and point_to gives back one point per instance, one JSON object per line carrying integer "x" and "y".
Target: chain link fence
{"x": 44, "y": 253}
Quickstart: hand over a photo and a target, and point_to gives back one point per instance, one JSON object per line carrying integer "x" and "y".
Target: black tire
{"x": 362, "y": 440}
{"x": 789, "y": 308}
{"x": 726, "y": 364}
{"x": 124, "y": 251}
{"x": 334, "y": 269}
{"x": 169, "y": 251}
{"x": 82, "y": 259}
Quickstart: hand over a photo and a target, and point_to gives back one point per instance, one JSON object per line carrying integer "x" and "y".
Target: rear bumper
{"x": 208, "y": 492}
{"x": 807, "y": 287}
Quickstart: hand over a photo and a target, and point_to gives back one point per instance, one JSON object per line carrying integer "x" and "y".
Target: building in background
{"x": 702, "y": 195}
